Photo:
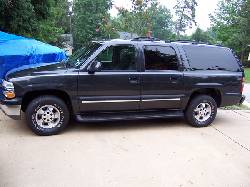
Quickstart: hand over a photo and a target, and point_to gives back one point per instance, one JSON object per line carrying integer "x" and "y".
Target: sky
{"x": 204, "y": 8}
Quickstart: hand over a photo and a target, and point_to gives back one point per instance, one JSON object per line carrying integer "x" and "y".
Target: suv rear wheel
{"x": 47, "y": 115}
{"x": 201, "y": 111}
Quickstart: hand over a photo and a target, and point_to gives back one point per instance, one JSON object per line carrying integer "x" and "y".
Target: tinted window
{"x": 211, "y": 58}
{"x": 118, "y": 58}
{"x": 160, "y": 58}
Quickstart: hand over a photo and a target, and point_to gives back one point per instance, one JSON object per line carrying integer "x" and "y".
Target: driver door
{"x": 116, "y": 86}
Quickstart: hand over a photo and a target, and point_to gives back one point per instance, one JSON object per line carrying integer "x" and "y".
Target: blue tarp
{"x": 17, "y": 51}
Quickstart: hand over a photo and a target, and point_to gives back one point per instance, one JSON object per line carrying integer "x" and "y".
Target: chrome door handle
{"x": 133, "y": 80}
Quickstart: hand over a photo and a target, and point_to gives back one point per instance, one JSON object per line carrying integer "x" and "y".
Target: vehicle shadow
{"x": 20, "y": 128}
{"x": 126, "y": 125}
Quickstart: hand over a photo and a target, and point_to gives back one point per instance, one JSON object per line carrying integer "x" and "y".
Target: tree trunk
{"x": 242, "y": 52}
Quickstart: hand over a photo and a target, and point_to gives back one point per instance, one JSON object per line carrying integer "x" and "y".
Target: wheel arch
{"x": 213, "y": 92}
{"x": 30, "y": 96}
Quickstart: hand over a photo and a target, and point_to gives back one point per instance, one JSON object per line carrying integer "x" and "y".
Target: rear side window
{"x": 160, "y": 58}
{"x": 211, "y": 58}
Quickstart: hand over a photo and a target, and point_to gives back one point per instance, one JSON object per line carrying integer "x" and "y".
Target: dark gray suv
{"x": 123, "y": 80}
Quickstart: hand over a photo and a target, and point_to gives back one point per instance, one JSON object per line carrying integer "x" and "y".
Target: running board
{"x": 99, "y": 117}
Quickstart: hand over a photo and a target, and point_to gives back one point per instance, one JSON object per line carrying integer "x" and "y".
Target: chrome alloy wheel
{"x": 203, "y": 112}
{"x": 48, "y": 116}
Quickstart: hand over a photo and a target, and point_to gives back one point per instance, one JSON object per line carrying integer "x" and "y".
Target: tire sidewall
{"x": 39, "y": 103}
{"x": 196, "y": 101}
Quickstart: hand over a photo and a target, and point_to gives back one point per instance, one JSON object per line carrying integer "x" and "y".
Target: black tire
{"x": 191, "y": 113}
{"x": 58, "y": 109}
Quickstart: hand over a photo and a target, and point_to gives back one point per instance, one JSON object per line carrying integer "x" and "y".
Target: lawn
{"x": 236, "y": 107}
{"x": 247, "y": 73}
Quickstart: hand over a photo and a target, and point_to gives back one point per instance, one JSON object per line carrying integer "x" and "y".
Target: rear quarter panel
{"x": 227, "y": 83}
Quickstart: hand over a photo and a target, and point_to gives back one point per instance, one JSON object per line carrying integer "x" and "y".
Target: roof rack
{"x": 144, "y": 38}
{"x": 219, "y": 45}
{"x": 192, "y": 42}
{"x": 186, "y": 41}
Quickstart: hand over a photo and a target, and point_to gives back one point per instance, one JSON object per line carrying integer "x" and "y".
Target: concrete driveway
{"x": 135, "y": 154}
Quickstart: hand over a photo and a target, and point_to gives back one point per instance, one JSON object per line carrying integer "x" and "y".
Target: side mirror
{"x": 94, "y": 66}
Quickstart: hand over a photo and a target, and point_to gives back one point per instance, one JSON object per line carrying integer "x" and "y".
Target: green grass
{"x": 247, "y": 75}
{"x": 236, "y": 107}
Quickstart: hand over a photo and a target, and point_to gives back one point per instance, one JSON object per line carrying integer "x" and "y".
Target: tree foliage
{"x": 91, "y": 20}
{"x": 144, "y": 17}
{"x": 185, "y": 11}
{"x": 38, "y": 19}
{"x": 162, "y": 25}
{"x": 17, "y": 17}
{"x": 56, "y": 23}
{"x": 203, "y": 36}
{"x": 231, "y": 23}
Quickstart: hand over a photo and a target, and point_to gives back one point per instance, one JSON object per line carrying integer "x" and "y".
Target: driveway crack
{"x": 241, "y": 115}
{"x": 231, "y": 139}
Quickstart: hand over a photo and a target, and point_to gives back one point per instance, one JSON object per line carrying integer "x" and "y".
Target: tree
{"x": 245, "y": 30}
{"x": 56, "y": 23}
{"x": 185, "y": 11}
{"x": 91, "y": 20}
{"x": 145, "y": 16}
{"x": 34, "y": 18}
{"x": 231, "y": 23}
{"x": 17, "y": 17}
{"x": 136, "y": 20}
{"x": 161, "y": 22}
{"x": 202, "y": 36}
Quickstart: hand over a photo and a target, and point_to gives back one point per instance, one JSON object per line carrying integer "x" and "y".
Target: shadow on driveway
{"x": 21, "y": 129}
{"x": 126, "y": 125}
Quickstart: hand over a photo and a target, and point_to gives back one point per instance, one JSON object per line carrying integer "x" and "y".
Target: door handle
{"x": 174, "y": 78}
{"x": 133, "y": 80}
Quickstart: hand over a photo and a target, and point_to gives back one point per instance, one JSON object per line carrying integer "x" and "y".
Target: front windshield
{"x": 82, "y": 54}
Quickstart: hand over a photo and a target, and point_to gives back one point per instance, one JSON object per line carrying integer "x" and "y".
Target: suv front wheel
{"x": 201, "y": 111}
{"x": 47, "y": 115}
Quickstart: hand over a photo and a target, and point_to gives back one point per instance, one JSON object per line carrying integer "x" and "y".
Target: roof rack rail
{"x": 144, "y": 38}
{"x": 184, "y": 41}
{"x": 192, "y": 42}
{"x": 219, "y": 45}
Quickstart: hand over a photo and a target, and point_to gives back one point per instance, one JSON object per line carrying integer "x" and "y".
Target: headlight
{"x": 7, "y": 85}
{"x": 8, "y": 89}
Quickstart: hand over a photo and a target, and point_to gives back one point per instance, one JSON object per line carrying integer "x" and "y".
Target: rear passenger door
{"x": 162, "y": 78}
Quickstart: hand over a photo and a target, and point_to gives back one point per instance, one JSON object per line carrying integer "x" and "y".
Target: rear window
{"x": 211, "y": 58}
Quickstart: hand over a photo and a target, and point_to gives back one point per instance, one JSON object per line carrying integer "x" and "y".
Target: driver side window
{"x": 118, "y": 58}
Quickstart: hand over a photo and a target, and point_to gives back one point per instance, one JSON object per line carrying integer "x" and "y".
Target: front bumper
{"x": 12, "y": 111}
